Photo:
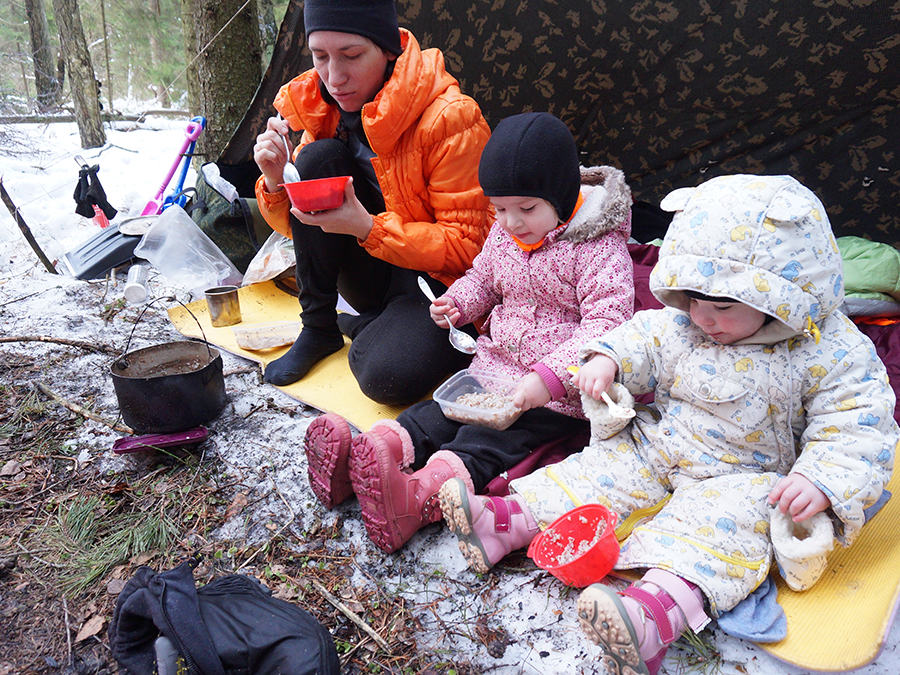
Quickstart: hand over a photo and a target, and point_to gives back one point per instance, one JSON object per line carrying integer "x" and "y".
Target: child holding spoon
{"x": 554, "y": 273}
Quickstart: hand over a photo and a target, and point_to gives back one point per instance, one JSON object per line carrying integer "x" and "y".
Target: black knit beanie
{"x": 532, "y": 155}
{"x": 373, "y": 19}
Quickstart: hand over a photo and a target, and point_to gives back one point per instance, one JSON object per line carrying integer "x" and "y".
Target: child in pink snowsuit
{"x": 554, "y": 272}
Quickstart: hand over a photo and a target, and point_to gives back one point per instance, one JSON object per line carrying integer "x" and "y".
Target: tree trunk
{"x": 158, "y": 56}
{"x": 45, "y": 81}
{"x": 226, "y": 72}
{"x": 81, "y": 73}
{"x": 268, "y": 29}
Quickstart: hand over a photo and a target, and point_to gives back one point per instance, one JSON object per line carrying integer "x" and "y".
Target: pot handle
{"x": 209, "y": 373}
{"x": 124, "y": 362}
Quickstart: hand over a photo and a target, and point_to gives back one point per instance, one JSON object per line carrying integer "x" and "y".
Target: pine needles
{"x": 695, "y": 652}
{"x": 91, "y": 541}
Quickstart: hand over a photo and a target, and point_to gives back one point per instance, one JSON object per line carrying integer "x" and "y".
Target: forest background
{"x": 86, "y": 58}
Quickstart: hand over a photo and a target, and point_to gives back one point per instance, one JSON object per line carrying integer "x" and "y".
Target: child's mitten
{"x": 801, "y": 549}
{"x": 604, "y": 425}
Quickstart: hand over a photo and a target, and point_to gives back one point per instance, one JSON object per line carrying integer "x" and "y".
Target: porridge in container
{"x": 473, "y": 397}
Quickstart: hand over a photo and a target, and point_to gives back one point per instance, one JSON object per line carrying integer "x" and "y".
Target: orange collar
{"x": 528, "y": 248}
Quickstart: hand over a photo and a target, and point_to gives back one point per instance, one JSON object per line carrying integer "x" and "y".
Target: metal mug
{"x": 224, "y": 305}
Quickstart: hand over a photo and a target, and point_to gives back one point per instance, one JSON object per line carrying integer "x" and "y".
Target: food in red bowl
{"x": 319, "y": 194}
{"x": 580, "y": 547}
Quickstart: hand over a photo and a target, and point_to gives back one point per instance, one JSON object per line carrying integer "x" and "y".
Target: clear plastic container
{"x": 256, "y": 336}
{"x": 475, "y": 397}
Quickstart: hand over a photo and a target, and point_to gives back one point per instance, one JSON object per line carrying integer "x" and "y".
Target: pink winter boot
{"x": 327, "y": 443}
{"x": 636, "y": 626}
{"x": 395, "y": 504}
{"x": 488, "y": 528}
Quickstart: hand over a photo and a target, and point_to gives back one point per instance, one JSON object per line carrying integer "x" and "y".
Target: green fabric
{"x": 237, "y": 227}
{"x": 870, "y": 267}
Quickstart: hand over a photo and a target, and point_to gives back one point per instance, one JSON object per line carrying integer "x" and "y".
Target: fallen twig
{"x": 350, "y": 614}
{"x": 68, "y": 629}
{"x": 26, "y": 231}
{"x": 75, "y": 408}
{"x": 40, "y": 560}
{"x": 24, "y": 297}
{"x": 62, "y": 341}
{"x": 243, "y": 370}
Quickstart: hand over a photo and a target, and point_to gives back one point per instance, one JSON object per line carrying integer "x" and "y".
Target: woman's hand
{"x": 596, "y": 376}
{"x": 531, "y": 392}
{"x": 350, "y": 217}
{"x": 444, "y": 311}
{"x": 797, "y": 495}
{"x": 269, "y": 153}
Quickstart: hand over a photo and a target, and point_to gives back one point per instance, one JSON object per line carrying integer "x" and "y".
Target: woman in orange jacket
{"x": 380, "y": 109}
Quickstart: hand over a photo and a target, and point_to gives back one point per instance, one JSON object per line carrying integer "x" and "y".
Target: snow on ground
{"x": 259, "y": 436}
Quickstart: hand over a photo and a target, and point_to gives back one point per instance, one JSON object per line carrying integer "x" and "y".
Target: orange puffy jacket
{"x": 428, "y": 138}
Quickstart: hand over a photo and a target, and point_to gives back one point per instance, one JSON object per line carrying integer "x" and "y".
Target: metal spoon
{"x": 615, "y": 410}
{"x": 461, "y": 341}
{"x": 290, "y": 174}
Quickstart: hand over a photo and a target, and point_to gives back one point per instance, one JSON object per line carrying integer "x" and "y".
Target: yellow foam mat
{"x": 329, "y": 386}
{"x": 842, "y": 622}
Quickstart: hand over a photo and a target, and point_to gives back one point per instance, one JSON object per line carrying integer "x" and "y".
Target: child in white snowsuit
{"x": 770, "y": 407}
{"x": 554, "y": 273}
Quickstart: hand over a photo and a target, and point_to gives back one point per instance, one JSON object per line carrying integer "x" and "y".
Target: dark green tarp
{"x": 674, "y": 93}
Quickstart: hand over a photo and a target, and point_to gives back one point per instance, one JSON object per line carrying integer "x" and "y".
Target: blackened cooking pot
{"x": 169, "y": 387}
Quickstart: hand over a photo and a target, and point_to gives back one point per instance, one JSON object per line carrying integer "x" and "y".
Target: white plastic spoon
{"x": 615, "y": 410}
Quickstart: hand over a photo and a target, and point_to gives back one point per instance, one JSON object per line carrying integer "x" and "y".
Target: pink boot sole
{"x": 605, "y": 621}
{"x": 458, "y": 516}
{"x": 327, "y": 442}
{"x": 369, "y": 476}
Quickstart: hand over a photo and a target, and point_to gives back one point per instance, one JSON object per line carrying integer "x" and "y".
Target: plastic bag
{"x": 235, "y": 224}
{"x": 273, "y": 258}
{"x": 184, "y": 255}
{"x": 212, "y": 176}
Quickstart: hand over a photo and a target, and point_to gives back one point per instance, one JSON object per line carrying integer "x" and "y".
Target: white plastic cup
{"x": 136, "y": 289}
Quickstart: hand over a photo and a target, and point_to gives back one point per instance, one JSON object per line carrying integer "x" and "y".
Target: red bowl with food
{"x": 580, "y": 547}
{"x": 320, "y": 194}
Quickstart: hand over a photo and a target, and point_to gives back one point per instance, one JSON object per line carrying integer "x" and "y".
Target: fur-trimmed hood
{"x": 606, "y": 207}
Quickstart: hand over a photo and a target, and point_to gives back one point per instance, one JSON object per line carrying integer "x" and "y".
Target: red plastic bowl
{"x": 320, "y": 194}
{"x": 572, "y": 551}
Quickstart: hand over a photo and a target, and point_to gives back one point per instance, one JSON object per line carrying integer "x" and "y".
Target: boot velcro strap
{"x": 658, "y": 607}
{"x": 503, "y": 510}
{"x": 681, "y": 591}
{"x": 431, "y": 509}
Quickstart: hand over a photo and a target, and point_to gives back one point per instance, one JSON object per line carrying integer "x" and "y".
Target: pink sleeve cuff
{"x": 557, "y": 390}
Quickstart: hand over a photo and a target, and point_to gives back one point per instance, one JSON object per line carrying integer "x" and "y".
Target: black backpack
{"x": 231, "y": 626}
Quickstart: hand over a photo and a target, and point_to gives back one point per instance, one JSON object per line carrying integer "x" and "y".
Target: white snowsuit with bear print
{"x": 807, "y": 393}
